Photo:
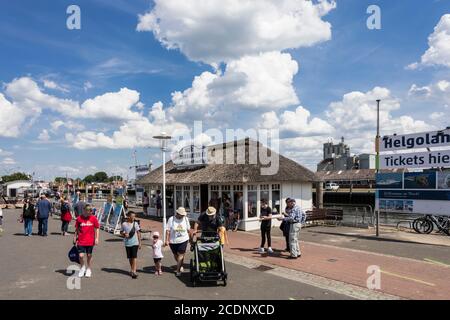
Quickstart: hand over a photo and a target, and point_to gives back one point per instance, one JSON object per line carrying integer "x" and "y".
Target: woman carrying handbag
{"x": 66, "y": 216}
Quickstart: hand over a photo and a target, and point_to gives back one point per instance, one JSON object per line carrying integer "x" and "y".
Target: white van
{"x": 331, "y": 186}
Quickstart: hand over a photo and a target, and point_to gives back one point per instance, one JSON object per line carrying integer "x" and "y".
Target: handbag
{"x": 132, "y": 231}
{"x": 74, "y": 255}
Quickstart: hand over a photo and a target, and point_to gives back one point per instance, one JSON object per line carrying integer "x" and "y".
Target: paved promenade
{"x": 405, "y": 275}
{"x": 331, "y": 267}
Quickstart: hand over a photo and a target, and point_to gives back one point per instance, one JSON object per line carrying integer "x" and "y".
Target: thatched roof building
{"x": 241, "y": 173}
{"x": 220, "y": 172}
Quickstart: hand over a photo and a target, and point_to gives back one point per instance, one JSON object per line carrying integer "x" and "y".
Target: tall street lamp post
{"x": 377, "y": 148}
{"x": 163, "y": 139}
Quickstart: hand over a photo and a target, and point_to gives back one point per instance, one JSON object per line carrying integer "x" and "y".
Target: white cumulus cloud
{"x": 438, "y": 52}
{"x": 215, "y": 31}
{"x": 131, "y": 134}
{"x": 263, "y": 81}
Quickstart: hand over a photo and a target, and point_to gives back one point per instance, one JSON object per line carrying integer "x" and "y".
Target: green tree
{"x": 89, "y": 179}
{"x": 16, "y": 176}
{"x": 60, "y": 180}
{"x": 101, "y": 177}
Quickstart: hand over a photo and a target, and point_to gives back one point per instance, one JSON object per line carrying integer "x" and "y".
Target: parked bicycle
{"x": 426, "y": 224}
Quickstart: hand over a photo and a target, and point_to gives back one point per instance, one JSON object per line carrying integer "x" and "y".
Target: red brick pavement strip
{"x": 403, "y": 277}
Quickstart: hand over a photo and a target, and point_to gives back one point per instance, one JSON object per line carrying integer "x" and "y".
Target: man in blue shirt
{"x": 295, "y": 217}
{"x": 44, "y": 208}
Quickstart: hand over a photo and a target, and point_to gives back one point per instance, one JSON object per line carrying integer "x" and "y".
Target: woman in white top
{"x": 177, "y": 237}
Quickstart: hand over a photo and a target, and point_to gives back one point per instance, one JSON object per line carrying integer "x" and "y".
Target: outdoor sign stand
{"x": 107, "y": 209}
{"x": 114, "y": 223}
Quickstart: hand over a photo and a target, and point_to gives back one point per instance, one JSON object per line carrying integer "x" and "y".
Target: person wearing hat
{"x": 157, "y": 252}
{"x": 208, "y": 221}
{"x": 177, "y": 237}
{"x": 44, "y": 208}
{"x": 295, "y": 217}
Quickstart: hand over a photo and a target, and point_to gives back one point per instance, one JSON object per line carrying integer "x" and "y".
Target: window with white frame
{"x": 178, "y": 196}
{"x": 252, "y": 200}
{"x": 187, "y": 198}
{"x": 264, "y": 193}
{"x": 276, "y": 197}
{"x": 196, "y": 199}
{"x": 227, "y": 202}
{"x": 214, "y": 200}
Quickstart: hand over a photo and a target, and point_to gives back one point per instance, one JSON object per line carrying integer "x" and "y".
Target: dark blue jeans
{"x": 42, "y": 226}
{"x": 28, "y": 226}
{"x": 64, "y": 226}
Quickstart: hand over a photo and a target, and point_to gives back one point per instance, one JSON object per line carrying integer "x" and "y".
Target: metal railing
{"x": 356, "y": 215}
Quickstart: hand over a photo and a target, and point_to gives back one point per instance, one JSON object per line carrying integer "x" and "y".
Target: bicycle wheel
{"x": 423, "y": 225}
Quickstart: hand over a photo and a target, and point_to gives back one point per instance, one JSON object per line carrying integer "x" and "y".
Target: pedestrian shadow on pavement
{"x": 115, "y": 270}
{"x": 114, "y": 240}
{"x": 276, "y": 252}
{"x": 151, "y": 269}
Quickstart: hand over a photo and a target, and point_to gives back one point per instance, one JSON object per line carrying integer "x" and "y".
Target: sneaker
{"x": 160, "y": 272}
{"x": 82, "y": 272}
{"x": 269, "y": 250}
{"x": 178, "y": 274}
{"x": 181, "y": 269}
{"x": 88, "y": 273}
{"x": 261, "y": 250}
{"x": 156, "y": 272}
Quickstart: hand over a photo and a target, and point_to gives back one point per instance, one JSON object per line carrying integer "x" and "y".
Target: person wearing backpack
{"x": 177, "y": 237}
{"x": 132, "y": 239}
{"x": 28, "y": 216}
{"x": 66, "y": 216}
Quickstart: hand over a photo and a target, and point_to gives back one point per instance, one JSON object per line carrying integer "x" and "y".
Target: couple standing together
{"x": 292, "y": 221}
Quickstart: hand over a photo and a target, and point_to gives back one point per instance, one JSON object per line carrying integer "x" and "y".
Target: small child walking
{"x": 157, "y": 252}
{"x": 223, "y": 236}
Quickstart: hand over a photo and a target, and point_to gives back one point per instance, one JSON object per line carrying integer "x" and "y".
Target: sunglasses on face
{"x": 156, "y": 237}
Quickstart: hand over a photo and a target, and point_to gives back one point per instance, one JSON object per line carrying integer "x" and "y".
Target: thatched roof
{"x": 289, "y": 170}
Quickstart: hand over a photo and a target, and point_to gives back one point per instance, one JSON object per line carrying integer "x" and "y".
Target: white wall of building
{"x": 19, "y": 186}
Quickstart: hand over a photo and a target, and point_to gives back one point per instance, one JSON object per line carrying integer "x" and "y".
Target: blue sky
{"x": 108, "y": 54}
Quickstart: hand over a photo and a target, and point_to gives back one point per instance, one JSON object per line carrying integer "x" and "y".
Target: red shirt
{"x": 86, "y": 230}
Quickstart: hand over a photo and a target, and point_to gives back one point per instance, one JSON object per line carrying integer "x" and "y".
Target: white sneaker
{"x": 82, "y": 272}
{"x": 269, "y": 250}
{"x": 181, "y": 269}
{"x": 88, "y": 273}
{"x": 261, "y": 250}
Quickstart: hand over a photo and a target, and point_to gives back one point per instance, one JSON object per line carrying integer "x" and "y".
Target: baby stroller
{"x": 207, "y": 263}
